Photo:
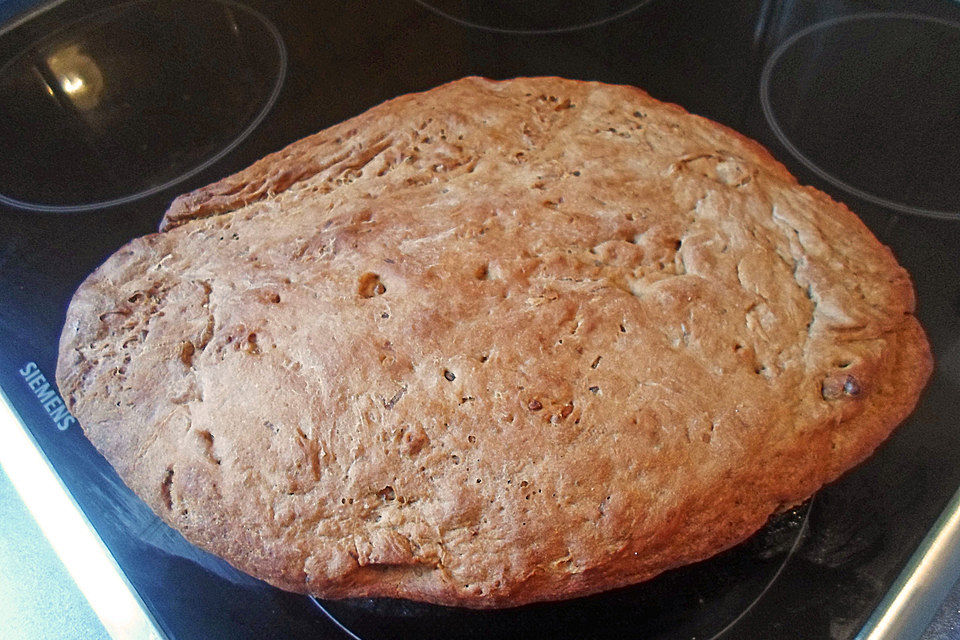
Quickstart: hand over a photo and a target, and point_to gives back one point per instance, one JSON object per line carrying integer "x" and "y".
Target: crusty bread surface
{"x": 494, "y": 343}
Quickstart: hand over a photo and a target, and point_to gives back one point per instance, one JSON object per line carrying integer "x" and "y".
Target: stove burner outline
{"x": 334, "y": 620}
{"x": 798, "y": 540}
{"x": 533, "y": 32}
{"x": 807, "y": 162}
{"x": 240, "y": 137}
{"x": 801, "y": 534}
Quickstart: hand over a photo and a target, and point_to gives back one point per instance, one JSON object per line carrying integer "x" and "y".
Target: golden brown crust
{"x": 494, "y": 343}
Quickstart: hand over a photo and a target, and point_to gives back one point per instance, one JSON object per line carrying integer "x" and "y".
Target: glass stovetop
{"x": 109, "y": 110}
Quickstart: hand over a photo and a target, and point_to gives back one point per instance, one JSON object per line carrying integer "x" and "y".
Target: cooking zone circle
{"x": 132, "y": 100}
{"x": 705, "y": 600}
{"x": 869, "y": 103}
{"x": 532, "y": 17}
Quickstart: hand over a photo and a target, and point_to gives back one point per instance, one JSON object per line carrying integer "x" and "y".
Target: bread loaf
{"x": 494, "y": 343}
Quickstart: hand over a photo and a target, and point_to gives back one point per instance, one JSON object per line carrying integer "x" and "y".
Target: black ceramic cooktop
{"x": 109, "y": 110}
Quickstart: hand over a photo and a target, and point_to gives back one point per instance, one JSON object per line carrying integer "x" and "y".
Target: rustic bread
{"x": 494, "y": 343}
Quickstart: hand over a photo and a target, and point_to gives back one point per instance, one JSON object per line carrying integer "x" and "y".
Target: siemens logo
{"x": 47, "y": 395}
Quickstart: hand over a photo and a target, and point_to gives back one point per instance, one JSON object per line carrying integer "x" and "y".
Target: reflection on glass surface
{"x": 78, "y": 75}
{"x": 74, "y": 541}
{"x": 131, "y": 100}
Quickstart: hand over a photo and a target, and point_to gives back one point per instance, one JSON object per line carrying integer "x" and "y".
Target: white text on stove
{"x": 47, "y": 395}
